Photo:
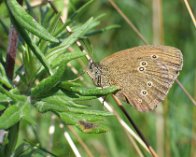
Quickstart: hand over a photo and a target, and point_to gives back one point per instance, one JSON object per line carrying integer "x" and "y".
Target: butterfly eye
{"x": 154, "y": 56}
{"x": 141, "y": 69}
{"x": 144, "y": 92}
{"x": 149, "y": 84}
{"x": 143, "y": 63}
{"x": 139, "y": 100}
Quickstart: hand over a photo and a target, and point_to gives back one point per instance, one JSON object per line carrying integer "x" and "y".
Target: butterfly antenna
{"x": 151, "y": 150}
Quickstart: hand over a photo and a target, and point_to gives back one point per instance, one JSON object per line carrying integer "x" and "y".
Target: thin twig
{"x": 125, "y": 126}
{"x": 70, "y": 141}
{"x": 193, "y": 140}
{"x": 190, "y": 12}
{"x": 151, "y": 150}
{"x": 51, "y": 131}
{"x": 185, "y": 91}
{"x": 87, "y": 150}
{"x": 128, "y": 21}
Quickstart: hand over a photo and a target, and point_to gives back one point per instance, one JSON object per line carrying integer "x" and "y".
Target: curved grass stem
{"x": 190, "y": 12}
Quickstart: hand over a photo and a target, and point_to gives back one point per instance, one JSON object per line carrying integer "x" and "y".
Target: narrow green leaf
{"x": 46, "y": 106}
{"x": 75, "y": 98}
{"x": 22, "y": 150}
{"x": 77, "y": 33}
{"x": 10, "y": 117}
{"x": 81, "y": 9}
{"x": 7, "y": 93}
{"x": 25, "y": 112}
{"x": 89, "y": 112}
{"x": 102, "y": 30}
{"x": 30, "y": 64}
{"x": 2, "y": 107}
{"x": 52, "y": 23}
{"x": 93, "y": 128}
{"x": 3, "y": 77}
{"x": 67, "y": 84}
{"x": 86, "y": 123}
{"x": 26, "y": 21}
{"x": 5, "y": 82}
{"x": 65, "y": 58}
{"x": 73, "y": 16}
{"x": 37, "y": 52}
{"x": 48, "y": 83}
{"x": 82, "y": 98}
{"x": 60, "y": 106}
{"x": 88, "y": 91}
{"x": 67, "y": 118}
{"x": 62, "y": 100}
{"x": 95, "y": 91}
{"x": 73, "y": 118}
{"x": 2, "y": 70}
{"x": 56, "y": 104}
{"x": 4, "y": 98}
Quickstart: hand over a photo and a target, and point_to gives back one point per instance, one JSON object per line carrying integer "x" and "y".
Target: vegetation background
{"x": 171, "y": 129}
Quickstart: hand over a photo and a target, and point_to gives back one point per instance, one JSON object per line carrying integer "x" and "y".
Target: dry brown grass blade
{"x": 151, "y": 150}
{"x": 128, "y": 21}
{"x": 130, "y": 133}
{"x": 190, "y": 12}
{"x": 158, "y": 39}
{"x": 51, "y": 131}
{"x": 85, "y": 147}
{"x": 70, "y": 141}
{"x": 186, "y": 92}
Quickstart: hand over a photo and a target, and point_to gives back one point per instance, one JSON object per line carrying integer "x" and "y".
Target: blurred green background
{"x": 171, "y": 130}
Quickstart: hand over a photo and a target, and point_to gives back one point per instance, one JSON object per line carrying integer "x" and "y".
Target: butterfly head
{"x": 95, "y": 72}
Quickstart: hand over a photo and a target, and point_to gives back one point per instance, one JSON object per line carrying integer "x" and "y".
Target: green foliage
{"x": 27, "y": 22}
{"x": 46, "y": 62}
{"x": 47, "y": 86}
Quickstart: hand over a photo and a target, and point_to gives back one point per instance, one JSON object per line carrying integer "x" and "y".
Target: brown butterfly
{"x": 144, "y": 74}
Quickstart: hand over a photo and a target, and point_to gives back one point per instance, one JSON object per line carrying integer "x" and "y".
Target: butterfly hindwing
{"x": 144, "y": 74}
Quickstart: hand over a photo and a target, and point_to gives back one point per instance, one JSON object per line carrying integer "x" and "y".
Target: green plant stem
{"x": 11, "y": 53}
{"x": 10, "y": 62}
{"x": 12, "y": 137}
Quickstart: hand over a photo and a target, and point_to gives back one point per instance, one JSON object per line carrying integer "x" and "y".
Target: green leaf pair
{"x": 14, "y": 114}
{"x": 88, "y": 123}
{"x": 94, "y": 91}
{"x": 26, "y": 21}
{"x": 3, "y": 77}
{"x": 49, "y": 83}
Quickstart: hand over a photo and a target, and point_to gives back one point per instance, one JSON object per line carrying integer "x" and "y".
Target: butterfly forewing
{"x": 144, "y": 74}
